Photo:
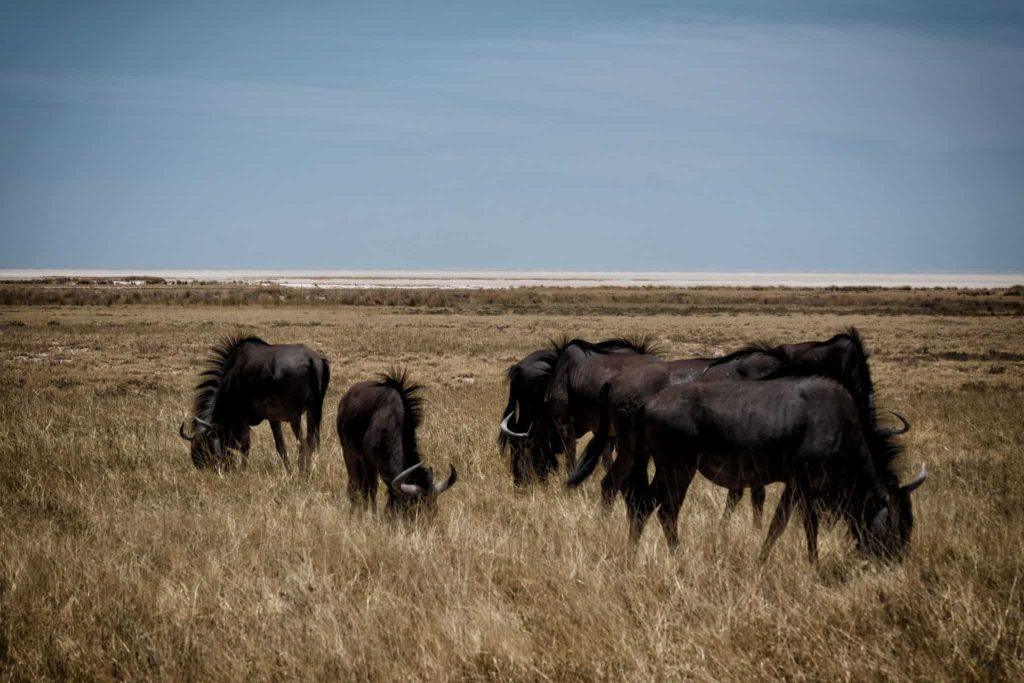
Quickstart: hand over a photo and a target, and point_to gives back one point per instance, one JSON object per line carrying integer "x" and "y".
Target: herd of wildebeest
{"x": 799, "y": 414}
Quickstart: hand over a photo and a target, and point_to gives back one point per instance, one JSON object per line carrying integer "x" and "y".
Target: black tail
{"x": 588, "y": 463}
{"x": 316, "y": 408}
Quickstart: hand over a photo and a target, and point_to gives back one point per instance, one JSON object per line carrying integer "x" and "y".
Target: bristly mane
{"x": 221, "y": 358}
{"x": 642, "y": 344}
{"x": 412, "y": 402}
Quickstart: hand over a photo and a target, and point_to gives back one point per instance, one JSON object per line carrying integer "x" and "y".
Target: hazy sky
{"x": 877, "y": 136}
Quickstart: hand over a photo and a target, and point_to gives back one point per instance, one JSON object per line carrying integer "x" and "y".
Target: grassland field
{"x": 119, "y": 560}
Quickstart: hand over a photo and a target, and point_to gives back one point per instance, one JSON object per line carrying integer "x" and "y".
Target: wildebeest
{"x": 377, "y": 424}
{"x": 246, "y": 381}
{"x": 842, "y": 358}
{"x": 803, "y": 431}
{"x": 527, "y": 434}
{"x": 553, "y": 399}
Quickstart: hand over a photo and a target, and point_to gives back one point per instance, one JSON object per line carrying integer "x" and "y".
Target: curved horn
{"x": 441, "y": 487}
{"x": 203, "y": 423}
{"x": 916, "y": 481}
{"x": 181, "y": 432}
{"x": 399, "y": 486}
{"x": 893, "y": 431}
{"x": 508, "y": 432}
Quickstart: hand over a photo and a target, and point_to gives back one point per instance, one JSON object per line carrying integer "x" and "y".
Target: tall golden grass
{"x": 118, "y": 560}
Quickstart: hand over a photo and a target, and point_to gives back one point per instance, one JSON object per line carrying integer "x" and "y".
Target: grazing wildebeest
{"x": 805, "y": 432}
{"x": 377, "y": 424}
{"x": 527, "y": 433}
{"x": 246, "y": 381}
{"x": 842, "y": 358}
{"x": 552, "y": 400}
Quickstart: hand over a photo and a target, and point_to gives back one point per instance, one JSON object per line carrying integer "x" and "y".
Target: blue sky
{"x": 877, "y": 136}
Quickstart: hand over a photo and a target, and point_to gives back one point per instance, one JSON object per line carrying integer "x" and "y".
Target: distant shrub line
{"x": 628, "y": 301}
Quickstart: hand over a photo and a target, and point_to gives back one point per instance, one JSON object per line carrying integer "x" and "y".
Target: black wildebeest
{"x": 842, "y": 358}
{"x": 246, "y": 381}
{"x": 377, "y": 424}
{"x": 805, "y": 432}
{"x": 527, "y": 434}
{"x": 555, "y": 391}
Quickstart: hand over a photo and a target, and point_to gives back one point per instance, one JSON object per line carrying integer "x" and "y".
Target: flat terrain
{"x": 119, "y": 560}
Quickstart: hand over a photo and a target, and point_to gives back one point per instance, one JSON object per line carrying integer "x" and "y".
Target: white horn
{"x": 916, "y": 481}
{"x": 891, "y": 431}
{"x": 398, "y": 484}
{"x": 508, "y": 432}
{"x": 441, "y": 487}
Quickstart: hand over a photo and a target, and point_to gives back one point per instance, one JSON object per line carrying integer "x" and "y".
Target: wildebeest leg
{"x": 636, "y": 490}
{"x": 731, "y": 501}
{"x": 670, "y": 502}
{"x": 779, "y": 521}
{"x": 640, "y": 503}
{"x": 638, "y": 508}
{"x": 370, "y": 489}
{"x": 630, "y": 466}
{"x": 362, "y": 486}
{"x": 354, "y": 490}
{"x": 296, "y": 424}
{"x": 522, "y": 472}
{"x": 367, "y": 487}
{"x": 282, "y": 450}
{"x": 567, "y": 435}
{"x": 243, "y": 446}
{"x": 606, "y": 454}
{"x": 757, "y": 504}
{"x": 614, "y": 480}
{"x": 811, "y": 529}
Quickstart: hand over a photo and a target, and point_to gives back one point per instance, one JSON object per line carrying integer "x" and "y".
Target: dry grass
{"x": 119, "y": 560}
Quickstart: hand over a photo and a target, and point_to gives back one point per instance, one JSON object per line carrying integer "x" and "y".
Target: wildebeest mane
{"x": 412, "y": 403}
{"x": 642, "y": 344}
{"x": 215, "y": 368}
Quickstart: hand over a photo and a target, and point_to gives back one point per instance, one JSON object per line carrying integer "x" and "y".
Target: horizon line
{"x": 503, "y": 279}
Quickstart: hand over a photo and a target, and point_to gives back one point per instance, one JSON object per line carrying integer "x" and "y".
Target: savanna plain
{"x": 119, "y": 560}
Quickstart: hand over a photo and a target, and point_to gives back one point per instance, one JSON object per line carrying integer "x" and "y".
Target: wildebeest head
{"x": 886, "y": 522}
{"x": 207, "y": 443}
{"x": 415, "y": 487}
{"x": 207, "y": 434}
{"x": 525, "y": 431}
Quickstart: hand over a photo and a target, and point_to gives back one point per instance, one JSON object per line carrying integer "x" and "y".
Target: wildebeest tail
{"x": 316, "y": 407}
{"x": 588, "y": 463}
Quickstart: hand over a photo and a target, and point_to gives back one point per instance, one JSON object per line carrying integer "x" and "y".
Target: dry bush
{"x": 119, "y": 560}
{"x": 638, "y": 301}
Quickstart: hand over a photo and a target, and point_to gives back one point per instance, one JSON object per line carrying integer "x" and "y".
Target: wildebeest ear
{"x": 912, "y": 485}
